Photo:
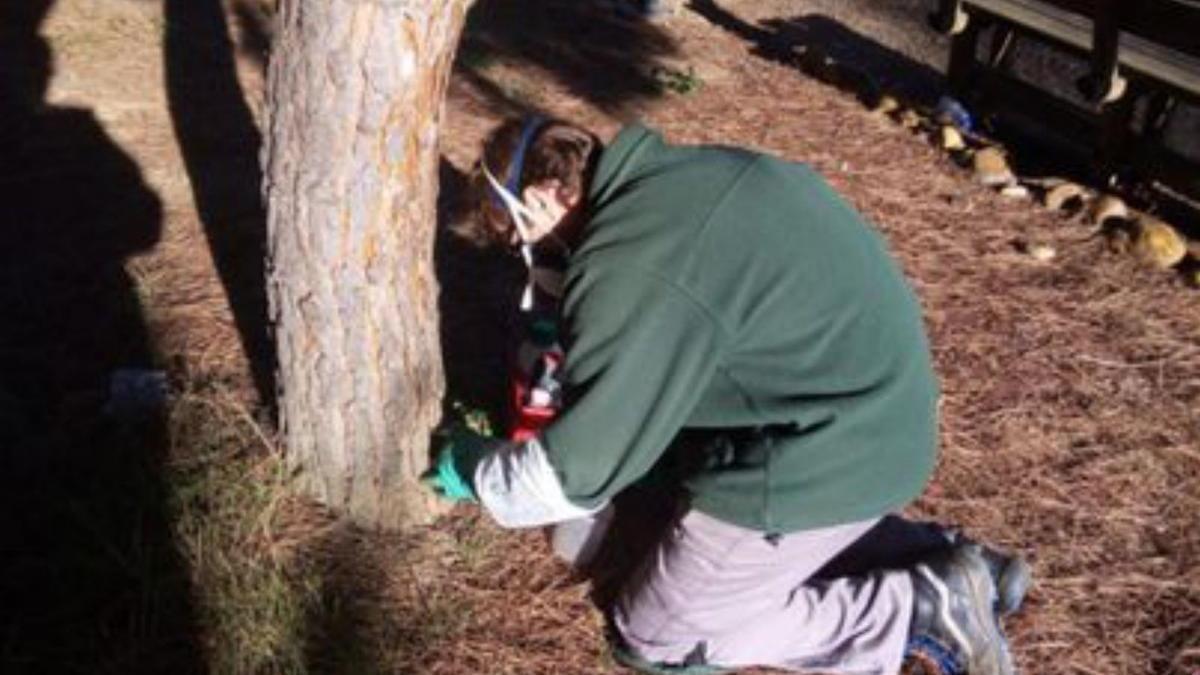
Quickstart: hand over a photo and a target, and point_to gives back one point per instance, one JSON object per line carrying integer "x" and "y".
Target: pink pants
{"x": 723, "y": 595}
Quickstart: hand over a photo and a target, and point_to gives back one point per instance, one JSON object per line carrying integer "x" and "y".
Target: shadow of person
{"x": 89, "y": 576}
{"x": 220, "y": 141}
{"x": 594, "y": 53}
{"x": 890, "y": 70}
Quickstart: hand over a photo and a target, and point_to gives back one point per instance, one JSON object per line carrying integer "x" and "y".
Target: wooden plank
{"x": 1170, "y": 23}
{"x": 1172, "y": 169}
{"x": 1141, "y": 54}
{"x": 1066, "y": 27}
{"x": 1161, "y": 63}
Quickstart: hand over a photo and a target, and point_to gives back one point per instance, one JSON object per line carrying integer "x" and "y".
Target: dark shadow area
{"x": 220, "y": 141}
{"x": 343, "y": 626}
{"x": 643, "y": 515}
{"x": 598, "y": 55}
{"x": 894, "y": 543}
{"x": 371, "y": 615}
{"x": 477, "y": 306}
{"x": 888, "y": 69}
{"x": 479, "y": 290}
{"x": 90, "y": 578}
{"x": 796, "y": 41}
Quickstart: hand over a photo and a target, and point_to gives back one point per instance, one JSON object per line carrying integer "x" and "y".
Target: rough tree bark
{"x": 354, "y": 97}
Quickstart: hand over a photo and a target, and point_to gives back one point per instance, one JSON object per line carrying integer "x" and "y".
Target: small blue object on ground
{"x": 136, "y": 391}
{"x": 949, "y": 111}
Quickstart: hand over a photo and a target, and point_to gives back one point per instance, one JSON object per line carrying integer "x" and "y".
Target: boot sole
{"x": 1011, "y": 586}
{"x": 994, "y": 658}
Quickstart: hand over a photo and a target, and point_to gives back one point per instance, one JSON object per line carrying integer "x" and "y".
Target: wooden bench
{"x": 1144, "y": 49}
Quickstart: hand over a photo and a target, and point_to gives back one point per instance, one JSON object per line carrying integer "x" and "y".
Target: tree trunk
{"x": 355, "y": 95}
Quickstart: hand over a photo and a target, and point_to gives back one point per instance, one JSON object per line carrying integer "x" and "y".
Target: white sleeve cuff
{"x": 519, "y": 487}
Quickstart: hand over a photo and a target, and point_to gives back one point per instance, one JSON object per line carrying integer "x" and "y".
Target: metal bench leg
{"x": 1114, "y": 135}
{"x": 1104, "y": 84}
{"x": 961, "y": 71}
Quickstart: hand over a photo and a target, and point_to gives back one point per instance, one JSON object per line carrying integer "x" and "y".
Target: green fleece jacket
{"x": 717, "y": 288}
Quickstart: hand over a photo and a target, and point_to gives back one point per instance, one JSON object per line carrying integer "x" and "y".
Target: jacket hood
{"x": 618, "y": 161}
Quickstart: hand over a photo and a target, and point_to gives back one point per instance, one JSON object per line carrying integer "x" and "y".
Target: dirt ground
{"x": 1071, "y": 386}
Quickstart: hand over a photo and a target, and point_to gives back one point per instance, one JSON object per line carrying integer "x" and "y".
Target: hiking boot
{"x": 955, "y": 630}
{"x": 1011, "y": 574}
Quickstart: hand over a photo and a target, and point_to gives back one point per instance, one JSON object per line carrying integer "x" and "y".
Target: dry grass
{"x": 1070, "y": 428}
{"x": 226, "y": 500}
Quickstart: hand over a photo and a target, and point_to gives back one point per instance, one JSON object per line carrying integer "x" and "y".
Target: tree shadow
{"x": 787, "y": 41}
{"x": 90, "y": 577}
{"x": 348, "y": 606}
{"x": 595, "y": 53}
{"x": 220, "y": 141}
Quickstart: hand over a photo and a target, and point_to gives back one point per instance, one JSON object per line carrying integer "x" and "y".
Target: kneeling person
{"x": 718, "y": 289}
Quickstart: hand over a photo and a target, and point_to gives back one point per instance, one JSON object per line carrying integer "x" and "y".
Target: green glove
{"x": 452, "y": 476}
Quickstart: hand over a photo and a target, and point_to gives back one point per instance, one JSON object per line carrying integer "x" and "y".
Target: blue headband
{"x": 532, "y": 124}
